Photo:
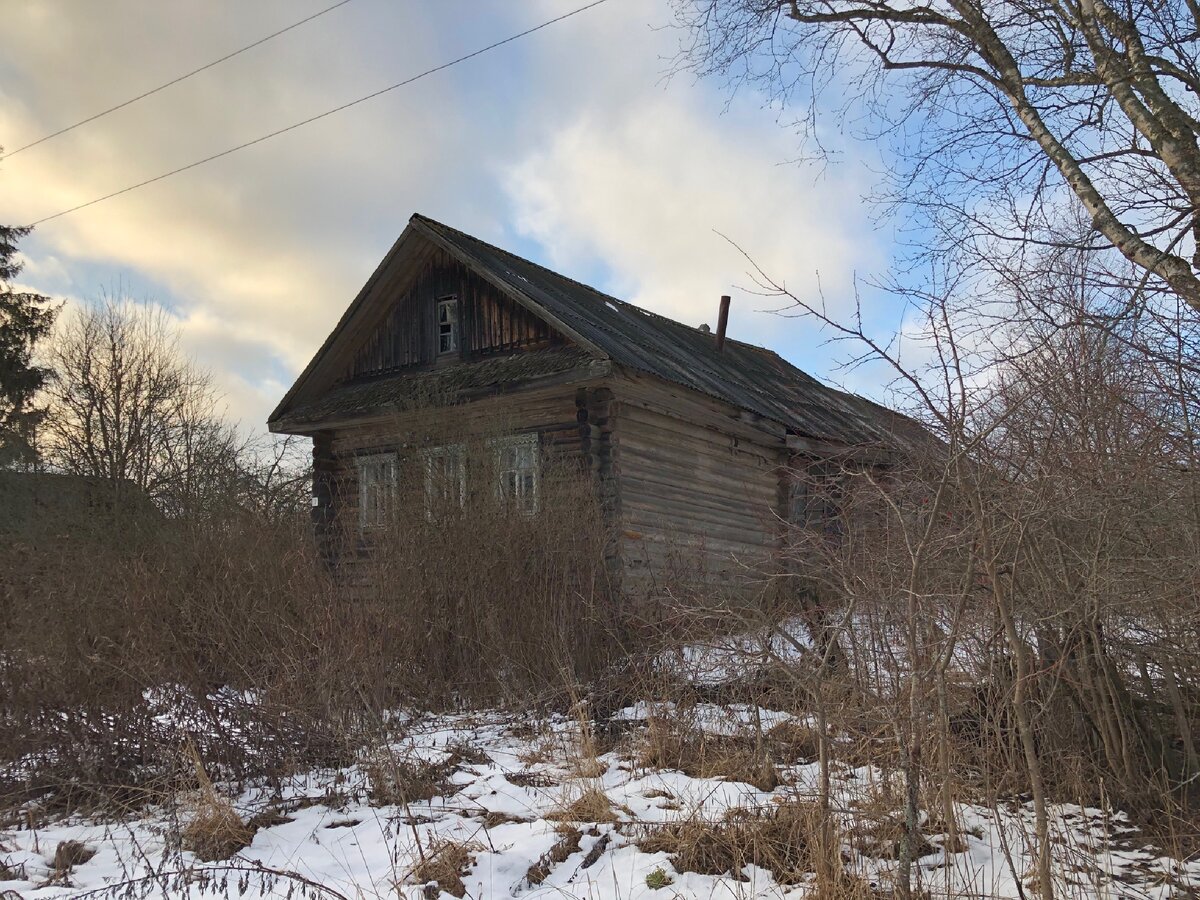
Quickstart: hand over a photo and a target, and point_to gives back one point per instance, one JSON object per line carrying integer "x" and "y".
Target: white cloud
{"x": 648, "y": 179}
{"x": 260, "y": 252}
{"x": 568, "y": 138}
{"x": 652, "y": 194}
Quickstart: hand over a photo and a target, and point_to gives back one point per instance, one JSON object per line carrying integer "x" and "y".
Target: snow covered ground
{"x": 508, "y": 783}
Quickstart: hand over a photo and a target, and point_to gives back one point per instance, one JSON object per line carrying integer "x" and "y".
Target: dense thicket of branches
{"x": 1046, "y": 553}
{"x": 127, "y": 406}
{"x": 1045, "y": 157}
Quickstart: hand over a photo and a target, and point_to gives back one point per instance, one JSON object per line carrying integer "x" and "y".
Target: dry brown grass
{"x": 395, "y": 779}
{"x": 490, "y": 608}
{"x": 794, "y": 741}
{"x": 878, "y": 827}
{"x": 67, "y": 855}
{"x": 494, "y": 819}
{"x": 567, "y": 844}
{"x": 670, "y": 744}
{"x": 779, "y": 838}
{"x": 9, "y": 872}
{"x": 786, "y": 839}
{"x": 592, "y": 805}
{"x": 214, "y": 829}
{"x": 444, "y": 863}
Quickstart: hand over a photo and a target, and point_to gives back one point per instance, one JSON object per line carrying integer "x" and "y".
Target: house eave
{"x": 595, "y": 370}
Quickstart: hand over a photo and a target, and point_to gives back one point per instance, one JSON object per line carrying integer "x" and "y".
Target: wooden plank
{"x": 675, "y": 401}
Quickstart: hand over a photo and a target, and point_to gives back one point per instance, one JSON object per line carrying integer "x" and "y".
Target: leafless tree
{"x": 1000, "y": 116}
{"x": 130, "y": 408}
{"x": 1045, "y": 549}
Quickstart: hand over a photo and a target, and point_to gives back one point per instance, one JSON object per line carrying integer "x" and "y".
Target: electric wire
{"x": 173, "y": 81}
{"x": 323, "y": 115}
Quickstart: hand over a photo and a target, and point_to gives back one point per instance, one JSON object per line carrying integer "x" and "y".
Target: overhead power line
{"x": 326, "y": 114}
{"x": 174, "y": 81}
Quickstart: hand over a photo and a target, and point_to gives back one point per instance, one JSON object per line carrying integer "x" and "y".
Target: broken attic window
{"x": 518, "y": 472}
{"x": 376, "y": 489}
{"x": 447, "y": 323}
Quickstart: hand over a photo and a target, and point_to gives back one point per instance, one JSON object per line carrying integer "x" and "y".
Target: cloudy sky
{"x": 568, "y": 146}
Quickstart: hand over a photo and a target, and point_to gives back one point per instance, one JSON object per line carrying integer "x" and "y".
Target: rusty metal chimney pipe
{"x": 722, "y": 322}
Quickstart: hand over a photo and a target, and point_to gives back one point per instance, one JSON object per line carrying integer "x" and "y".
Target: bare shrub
{"x": 397, "y": 779}
{"x": 232, "y": 630}
{"x": 120, "y": 647}
{"x": 1002, "y": 609}
{"x": 475, "y": 597}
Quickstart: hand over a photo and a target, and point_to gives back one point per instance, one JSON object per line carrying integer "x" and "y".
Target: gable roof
{"x": 748, "y": 377}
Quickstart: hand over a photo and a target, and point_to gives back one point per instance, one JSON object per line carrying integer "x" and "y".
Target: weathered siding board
{"x": 699, "y": 485}
{"x": 489, "y": 322}
{"x": 687, "y": 447}
{"x": 596, "y": 412}
{"x": 550, "y": 412}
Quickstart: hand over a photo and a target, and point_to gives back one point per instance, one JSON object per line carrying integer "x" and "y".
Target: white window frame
{"x": 527, "y": 502}
{"x": 374, "y": 515}
{"x": 449, "y": 303}
{"x": 455, "y": 452}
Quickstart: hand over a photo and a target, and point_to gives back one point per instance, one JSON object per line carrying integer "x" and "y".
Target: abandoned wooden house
{"x": 689, "y": 438}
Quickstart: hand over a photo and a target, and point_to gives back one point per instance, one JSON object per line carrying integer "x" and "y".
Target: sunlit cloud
{"x": 550, "y": 146}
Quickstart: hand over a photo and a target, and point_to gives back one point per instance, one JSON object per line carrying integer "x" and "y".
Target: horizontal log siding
{"x": 551, "y": 413}
{"x": 699, "y": 485}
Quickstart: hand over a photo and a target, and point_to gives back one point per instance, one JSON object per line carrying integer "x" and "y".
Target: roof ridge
{"x": 758, "y": 389}
{"x": 537, "y": 265}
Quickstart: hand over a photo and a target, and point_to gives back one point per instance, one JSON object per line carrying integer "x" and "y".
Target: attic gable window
{"x": 377, "y": 482}
{"x": 447, "y": 324}
{"x": 518, "y": 472}
{"x": 445, "y": 479}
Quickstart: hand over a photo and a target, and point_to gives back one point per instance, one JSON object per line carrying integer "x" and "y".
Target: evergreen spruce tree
{"x": 25, "y": 318}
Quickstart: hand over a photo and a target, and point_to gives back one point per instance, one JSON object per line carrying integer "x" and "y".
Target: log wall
{"x": 552, "y": 413}
{"x": 699, "y": 485}
{"x": 693, "y": 488}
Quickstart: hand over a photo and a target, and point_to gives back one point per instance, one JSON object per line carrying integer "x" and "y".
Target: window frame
{"x": 531, "y": 442}
{"x": 456, "y": 452}
{"x": 447, "y": 302}
{"x": 816, "y": 497}
{"x": 374, "y": 518}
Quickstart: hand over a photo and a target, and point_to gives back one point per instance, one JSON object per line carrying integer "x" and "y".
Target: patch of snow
{"x": 335, "y": 837}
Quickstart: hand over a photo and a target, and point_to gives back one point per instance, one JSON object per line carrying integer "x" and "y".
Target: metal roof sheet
{"x": 748, "y": 377}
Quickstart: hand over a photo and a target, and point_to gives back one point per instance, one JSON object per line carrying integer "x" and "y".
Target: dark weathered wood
{"x": 324, "y": 491}
{"x": 691, "y": 486}
{"x": 489, "y": 322}
{"x": 699, "y": 486}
